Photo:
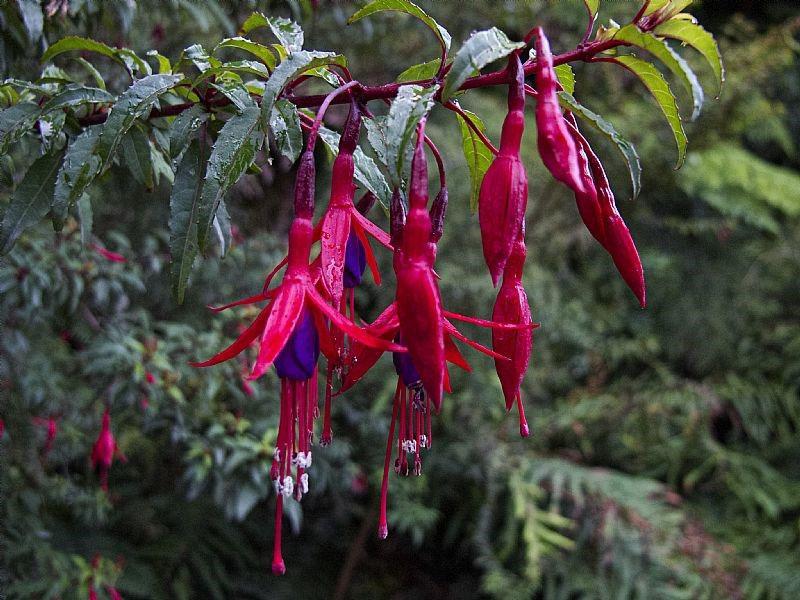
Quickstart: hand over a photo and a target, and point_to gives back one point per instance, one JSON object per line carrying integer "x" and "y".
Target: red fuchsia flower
{"x": 292, "y": 329}
{"x": 556, "y": 146}
{"x": 50, "y": 424}
{"x": 104, "y": 451}
{"x": 504, "y": 190}
{"x": 602, "y": 219}
{"x": 92, "y": 593}
{"x": 512, "y": 306}
{"x": 108, "y": 254}
{"x": 150, "y": 378}
{"x": 342, "y": 221}
{"x": 2, "y": 428}
{"x": 419, "y": 305}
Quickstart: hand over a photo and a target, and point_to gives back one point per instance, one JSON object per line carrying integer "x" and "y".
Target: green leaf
{"x": 74, "y": 95}
{"x": 183, "y": 128}
{"x": 92, "y": 71}
{"x": 376, "y": 134}
{"x": 412, "y": 103}
{"x": 81, "y": 165}
{"x": 31, "y": 199}
{"x": 479, "y": 50}
{"x": 607, "y": 129}
{"x": 198, "y": 56}
{"x": 289, "y": 33}
{"x": 671, "y": 59}
{"x": 654, "y": 81}
{"x": 592, "y": 6}
{"x": 135, "y": 102}
{"x": 137, "y": 155}
{"x": 367, "y": 172}
{"x": 285, "y": 124}
{"x": 476, "y": 153}
{"x": 184, "y": 204}
{"x": 263, "y": 53}
{"x": 425, "y": 70}
{"x": 133, "y": 62}
{"x": 409, "y": 8}
{"x": 32, "y": 18}
{"x": 692, "y": 34}
{"x": 74, "y": 43}
{"x": 229, "y": 71}
{"x": 566, "y": 77}
{"x": 15, "y": 121}
{"x": 164, "y": 66}
{"x": 294, "y": 65}
{"x": 234, "y": 150}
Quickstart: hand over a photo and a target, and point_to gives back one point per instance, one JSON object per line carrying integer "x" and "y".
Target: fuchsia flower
{"x": 113, "y": 593}
{"x": 104, "y": 451}
{"x": 512, "y": 306}
{"x": 504, "y": 190}
{"x": 556, "y": 146}
{"x": 599, "y": 213}
{"x": 2, "y": 428}
{"x": 419, "y": 305}
{"x": 341, "y": 220}
{"x": 292, "y": 329}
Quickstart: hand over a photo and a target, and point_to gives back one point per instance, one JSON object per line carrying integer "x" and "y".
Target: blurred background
{"x": 665, "y": 455}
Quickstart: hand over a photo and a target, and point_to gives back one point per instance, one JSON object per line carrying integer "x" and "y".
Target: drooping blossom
{"x": 504, "y": 190}
{"x": 556, "y": 146}
{"x": 604, "y": 222}
{"x": 105, "y": 450}
{"x": 108, "y": 254}
{"x": 511, "y": 306}
{"x": 419, "y": 305}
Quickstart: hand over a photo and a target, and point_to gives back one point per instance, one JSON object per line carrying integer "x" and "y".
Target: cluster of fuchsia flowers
{"x": 312, "y": 310}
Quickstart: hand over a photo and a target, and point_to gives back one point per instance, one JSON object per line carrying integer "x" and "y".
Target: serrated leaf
{"x": 81, "y": 165}
{"x": 75, "y": 96}
{"x": 409, "y": 8}
{"x": 367, "y": 172}
{"x": 376, "y": 135}
{"x": 74, "y": 43}
{"x": 135, "y": 102}
{"x": 136, "y": 152}
{"x": 692, "y": 34}
{"x": 479, "y": 50}
{"x": 184, "y": 127}
{"x": 198, "y": 56}
{"x": 654, "y": 81}
{"x": 32, "y": 18}
{"x": 262, "y": 53}
{"x": 566, "y": 77}
{"x": 289, "y": 33}
{"x": 15, "y": 121}
{"x": 412, "y": 103}
{"x": 285, "y": 124}
{"x": 31, "y": 200}
{"x": 184, "y": 203}
{"x": 671, "y": 59}
{"x": 234, "y": 150}
{"x": 294, "y": 65}
{"x": 476, "y": 153}
{"x": 236, "y": 93}
{"x": 607, "y": 129}
{"x": 133, "y": 62}
{"x": 425, "y": 70}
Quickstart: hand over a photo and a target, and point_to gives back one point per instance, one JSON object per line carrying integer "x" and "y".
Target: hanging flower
{"x": 512, "y": 306}
{"x": 556, "y": 146}
{"x": 504, "y": 190}
{"x": 104, "y": 451}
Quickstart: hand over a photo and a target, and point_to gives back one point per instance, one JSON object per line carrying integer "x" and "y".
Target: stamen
{"x": 524, "y": 430}
{"x": 383, "y": 527}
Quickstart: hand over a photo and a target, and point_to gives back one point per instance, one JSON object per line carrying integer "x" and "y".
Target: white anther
{"x": 304, "y": 482}
{"x": 276, "y": 456}
{"x": 287, "y": 487}
{"x": 410, "y": 445}
{"x": 302, "y": 460}
{"x": 423, "y": 441}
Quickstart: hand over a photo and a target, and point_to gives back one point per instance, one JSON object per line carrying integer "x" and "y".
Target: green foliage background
{"x": 665, "y": 455}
